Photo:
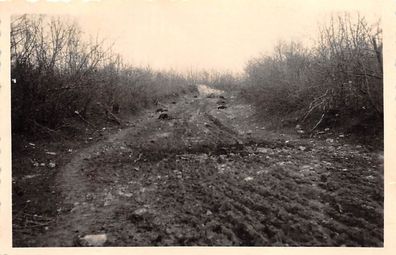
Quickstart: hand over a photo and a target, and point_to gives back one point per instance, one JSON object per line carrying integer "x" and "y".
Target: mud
{"x": 217, "y": 177}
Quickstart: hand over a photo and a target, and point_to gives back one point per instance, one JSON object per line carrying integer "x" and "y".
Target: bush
{"x": 341, "y": 75}
{"x": 58, "y": 76}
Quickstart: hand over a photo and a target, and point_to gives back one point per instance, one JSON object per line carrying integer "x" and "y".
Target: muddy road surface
{"x": 200, "y": 175}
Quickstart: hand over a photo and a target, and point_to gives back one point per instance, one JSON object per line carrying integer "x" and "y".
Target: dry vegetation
{"x": 58, "y": 77}
{"x": 209, "y": 172}
{"x": 335, "y": 83}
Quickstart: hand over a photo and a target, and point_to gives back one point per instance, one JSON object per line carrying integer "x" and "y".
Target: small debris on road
{"x": 161, "y": 110}
{"x": 262, "y": 150}
{"x": 93, "y": 240}
{"x": 108, "y": 199}
{"x": 51, "y": 165}
{"x": 164, "y": 116}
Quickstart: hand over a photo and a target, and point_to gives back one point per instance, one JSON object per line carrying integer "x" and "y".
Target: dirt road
{"x": 209, "y": 176}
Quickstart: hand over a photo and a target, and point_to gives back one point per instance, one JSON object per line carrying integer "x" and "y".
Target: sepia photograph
{"x": 255, "y": 123}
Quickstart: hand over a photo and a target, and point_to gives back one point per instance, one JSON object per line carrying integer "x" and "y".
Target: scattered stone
{"x": 51, "y": 165}
{"x": 30, "y": 176}
{"x": 164, "y": 135}
{"x": 341, "y": 136}
{"x": 300, "y": 131}
{"x": 51, "y": 153}
{"x": 306, "y": 168}
{"x": 124, "y": 194}
{"x": 326, "y": 129}
{"x": 139, "y": 214}
{"x": 93, "y": 240}
{"x": 329, "y": 140}
{"x": 203, "y": 157}
{"x": 249, "y": 178}
{"x": 32, "y": 144}
{"x": 302, "y": 148}
{"x": 108, "y": 199}
{"x": 262, "y": 150}
{"x": 262, "y": 172}
{"x": 208, "y": 213}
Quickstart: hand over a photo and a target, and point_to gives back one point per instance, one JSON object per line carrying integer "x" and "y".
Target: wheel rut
{"x": 193, "y": 179}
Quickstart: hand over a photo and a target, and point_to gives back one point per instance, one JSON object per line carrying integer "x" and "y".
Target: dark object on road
{"x": 221, "y": 102}
{"x": 116, "y": 108}
{"x": 164, "y": 116}
{"x": 221, "y": 107}
{"x": 195, "y": 96}
{"x": 161, "y": 110}
{"x": 211, "y": 95}
{"x": 173, "y": 102}
{"x": 323, "y": 178}
{"x": 221, "y": 97}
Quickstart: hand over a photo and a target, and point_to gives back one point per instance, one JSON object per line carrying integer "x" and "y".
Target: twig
{"x": 38, "y": 224}
{"x": 108, "y": 112}
{"x": 48, "y": 130}
{"x": 114, "y": 117}
{"x": 317, "y": 124}
{"x": 139, "y": 157}
{"x": 81, "y": 117}
{"x": 310, "y": 110}
{"x": 312, "y": 107}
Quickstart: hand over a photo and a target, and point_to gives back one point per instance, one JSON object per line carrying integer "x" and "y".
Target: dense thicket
{"x": 338, "y": 81}
{"x": 58, "y": 76}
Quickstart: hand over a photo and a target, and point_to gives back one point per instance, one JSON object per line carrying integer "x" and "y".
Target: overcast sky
{"x": 211, "y": 34}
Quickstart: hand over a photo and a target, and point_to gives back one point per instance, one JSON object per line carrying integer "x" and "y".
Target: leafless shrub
{"x": 225, "y": 80}
{"x": 341, "y": 76}
{"x": 60, "y": 76}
